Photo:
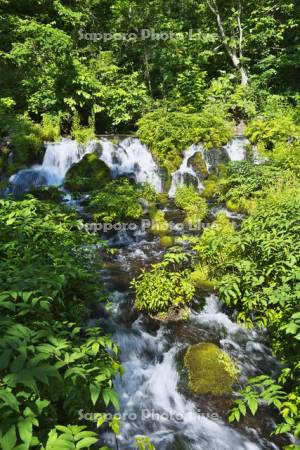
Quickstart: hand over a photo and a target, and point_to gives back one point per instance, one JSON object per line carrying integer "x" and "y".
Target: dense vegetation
{"x": 68, "y": 68}
{"x": 48, "y": 281}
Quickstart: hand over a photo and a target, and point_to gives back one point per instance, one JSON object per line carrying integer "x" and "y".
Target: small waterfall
{"x": 58, "y": 158}
{"x": 186, "y": 173}
{"x": 236, "y": 149}
{"x": 131, "y": 157}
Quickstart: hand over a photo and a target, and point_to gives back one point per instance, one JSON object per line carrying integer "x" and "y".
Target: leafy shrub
{"x": 50, "y": 128}
{"x": 267, "y": 132}
{"x": 80, "y": 133}
{"x": 192, "y": 203}
{"x": 160, "y": 225}
{"x": 160, "y": 289}
{"x": 168, "y": 134}
{"x": 244, "y": 183}
{"x": 117, "y": 201}
{"x": 51, "y": 366}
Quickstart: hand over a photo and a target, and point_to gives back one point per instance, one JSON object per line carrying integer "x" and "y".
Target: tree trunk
{"x": 244, "y": 76}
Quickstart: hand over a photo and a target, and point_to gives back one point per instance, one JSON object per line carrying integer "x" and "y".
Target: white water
{"x": 186, "y": 173}
{"x": 131, "y": 157}
{"x": 152, "y": 391}
{"x": 58, "y": 158}
{"x": 236, "y": 149}
{"x": 151, "y": 403}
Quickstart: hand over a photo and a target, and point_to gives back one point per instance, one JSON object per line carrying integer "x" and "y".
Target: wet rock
{"x": 209, "y": 369}
{"x": 88, "y": 174}
{"x": 173, "y": 315}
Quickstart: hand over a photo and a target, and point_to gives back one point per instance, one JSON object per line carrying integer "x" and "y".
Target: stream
{"x": 155, "y": 401}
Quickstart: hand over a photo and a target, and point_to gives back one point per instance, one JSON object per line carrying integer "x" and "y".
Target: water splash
{"x": 58, "y": 158}
{"x": 186, "y": 173}
{"x": 130, "y": 157}
{"x": 236, "y": 149}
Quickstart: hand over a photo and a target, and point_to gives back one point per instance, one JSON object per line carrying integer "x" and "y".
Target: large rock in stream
{"x": 210, "y": 370}
{"x": 88, "y": 174}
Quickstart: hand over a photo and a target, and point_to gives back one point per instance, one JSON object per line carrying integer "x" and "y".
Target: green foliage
{"x": 117, "y": 201}
{"x": 51, "y": 366}
{"x": 162, "y": 288}
{"x": 144, "y": 443}
{"x": 50, "y": 128}
{"x": 256, "y": 271}
{"x": 265, "y": 133}
{"x": 71, "y": 437}
{"x": 189, "y": 200}
{"x": 81, "y": 133}
{"x": 244, "y": 184}
{"x": 168, "y": 134}
{"x": 160, "y": 225}
{"x": 25, "y": 140}
{"x": 264, "y": 388}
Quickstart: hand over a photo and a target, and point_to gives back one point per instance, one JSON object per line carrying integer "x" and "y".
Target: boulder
{"x": 210, "y": 370}
{"x": 88, "y": 174}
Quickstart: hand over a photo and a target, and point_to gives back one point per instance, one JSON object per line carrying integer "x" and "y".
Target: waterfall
{"x": 58, "y": 158}
{"x": 131, "y": 157}
{"x": 236, "y": 149}
{"x": 186, "y": 173}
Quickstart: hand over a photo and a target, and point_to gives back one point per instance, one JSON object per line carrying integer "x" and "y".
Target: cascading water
{"x": 186, "y": 173}
{"x": 236, "y": 149}
{"x": 132, "y": 158}
{"x": 58, "y": 158}
{"x": 154, "y": 398}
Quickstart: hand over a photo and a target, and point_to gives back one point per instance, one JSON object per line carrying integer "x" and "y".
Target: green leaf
{"x": 9, "y": 399}
{"x": 9, "y": 439}
{"x": 95, "y": 391}
{"x": 253, "y": 405}
{"x": 25, "y": 430}
{"x": 86, "y": 442}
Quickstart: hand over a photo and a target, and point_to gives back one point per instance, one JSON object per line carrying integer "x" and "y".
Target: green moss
{"x": 210, "y": 370}
{"x": 160, "y": 225}
{"x": 243, "y": 205}
{"x": 192, "y": 203}
{"x": 200, "y": 276}
{"x": 88, "y": 174}
{"x": 163, "y": 198}
{"x": 211, "y": 188}
{"x": 166, "y": 241}
{"x": 199, "y": 164}
{"x": 173, "y": 315}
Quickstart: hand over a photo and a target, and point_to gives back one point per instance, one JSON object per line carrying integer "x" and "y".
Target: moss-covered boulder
{"x": 210, "y": 370}
{"x": 160, "y": 226}
{"x": 48, "y": 193}
{"x": 211, "y": 187}
{"x": 88, "y": 174}
{"x": 173, "y": 314}
{"x": 166, "y": 241}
